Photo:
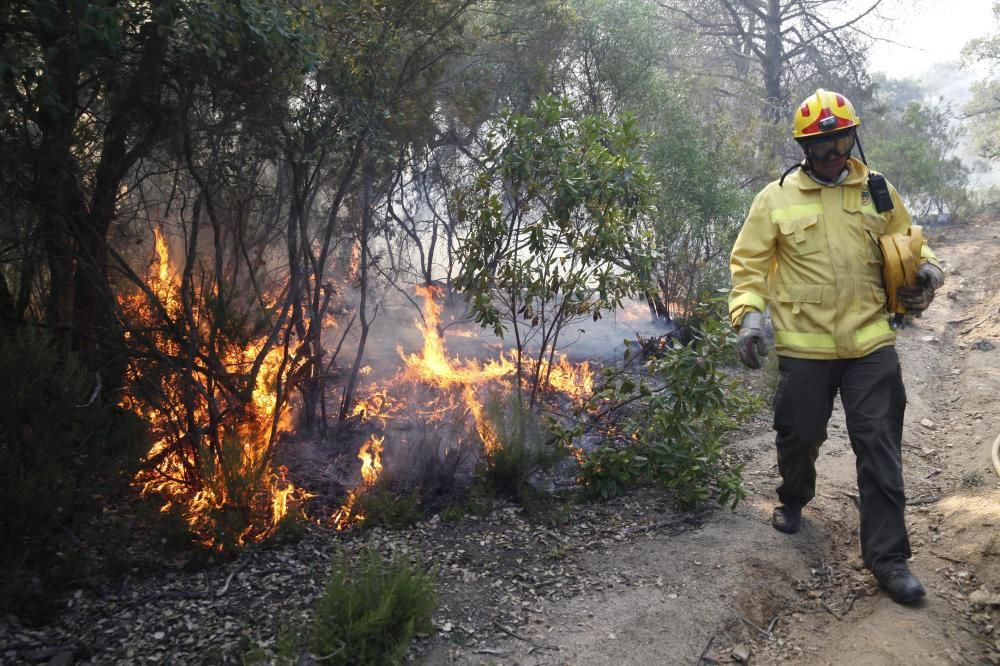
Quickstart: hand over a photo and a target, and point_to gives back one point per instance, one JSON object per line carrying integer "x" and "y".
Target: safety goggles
{"x": 821, "y": 149}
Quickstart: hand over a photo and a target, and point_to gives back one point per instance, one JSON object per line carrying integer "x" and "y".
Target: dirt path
{"x": 736, "y": 590}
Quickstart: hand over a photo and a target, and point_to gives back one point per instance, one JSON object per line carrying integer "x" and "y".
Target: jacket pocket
{"x": 878, "y": 295}
{"x": 874, "y": 224}
{"x": 802, "y": 235}
{"x": 800, "y": 294}
{"x": 874, "y": 250}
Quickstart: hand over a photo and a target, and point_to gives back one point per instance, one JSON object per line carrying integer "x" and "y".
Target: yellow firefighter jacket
{"x": 811, "y": 252}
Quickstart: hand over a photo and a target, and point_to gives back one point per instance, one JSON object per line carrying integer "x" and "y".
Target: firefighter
{"x": 809, "y": 251}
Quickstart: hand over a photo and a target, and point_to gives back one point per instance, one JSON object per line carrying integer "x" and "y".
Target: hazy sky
{"x": 934, "y": 32}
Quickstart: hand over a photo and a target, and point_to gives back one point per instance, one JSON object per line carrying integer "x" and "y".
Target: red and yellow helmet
{"x": 825, "y": 112}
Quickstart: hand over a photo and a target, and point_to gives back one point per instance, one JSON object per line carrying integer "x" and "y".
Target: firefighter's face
{"x": 829, "y": 156}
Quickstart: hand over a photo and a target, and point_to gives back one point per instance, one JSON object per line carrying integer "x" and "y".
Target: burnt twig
{"x": 765, "y": 633}
{"x": 946, "y": 558}
{"x": 243, "y": 565}
{"x": 704, "y": 653}
{"x": 510, "y": 632}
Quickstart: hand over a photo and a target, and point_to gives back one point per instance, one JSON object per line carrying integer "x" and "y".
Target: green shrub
{"x": 526, "y": 449}
{"x": 972, "y": 479}
{"x": 453, "y": 513}
{"x": 608, "y": 472}
{"x": 382, "y": 507}
{"x": 371, "y": 611}
{"x": 667, "y": 425}
{"x": 58, "y": 450}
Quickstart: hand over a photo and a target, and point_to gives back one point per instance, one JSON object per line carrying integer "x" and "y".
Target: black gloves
{"x": 916, "y": 299}
{"x": 751, "y": 343}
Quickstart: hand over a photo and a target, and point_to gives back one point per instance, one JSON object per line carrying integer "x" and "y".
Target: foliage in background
{"x": 751, "y": 62}
{"x": 697, "y": 202}
{"x": 982, "y": 110}
{"x": 666, "y": 424}
{"x": 552, "y": 221}
{"x": 913, "y": 142}
{"x": 371, "y": 610}
{"x": 62, "y": 449}
{"x": 984, "y": 121}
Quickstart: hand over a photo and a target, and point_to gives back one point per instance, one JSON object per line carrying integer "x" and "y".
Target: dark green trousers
{"x": 871, "y": 390}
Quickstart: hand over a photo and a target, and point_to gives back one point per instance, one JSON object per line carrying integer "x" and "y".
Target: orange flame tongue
{"x": 163, "y": 254}
{"x": 371, "y": 460}
{"x": 433, "y": 366}
{"x": 576, "y": 381}
{"x": 371, "y": 466}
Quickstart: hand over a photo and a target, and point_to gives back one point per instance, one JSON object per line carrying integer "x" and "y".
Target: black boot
{"x": 787, "y": 518}
{"x": 902, "y": 586}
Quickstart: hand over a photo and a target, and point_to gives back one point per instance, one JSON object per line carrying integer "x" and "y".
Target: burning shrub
{"x": 370, "y": 612}
{"x": 672, "y": 432}
{"x": 59, "y": 445}
{"x": 209, "y": 378}
{"x": 526, "y": 448}
{"x": 234, "y": 486}
{"x": 426, "y": 474}
{"x": 454, "y": 416}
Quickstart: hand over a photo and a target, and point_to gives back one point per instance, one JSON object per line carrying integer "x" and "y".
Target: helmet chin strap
{"x": 861, "y": 151}
{"x": 790, "y": 169}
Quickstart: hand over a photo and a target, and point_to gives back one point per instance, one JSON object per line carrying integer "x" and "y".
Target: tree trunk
{"x": 773, "y": 60}
{"x": 366, "y": 222}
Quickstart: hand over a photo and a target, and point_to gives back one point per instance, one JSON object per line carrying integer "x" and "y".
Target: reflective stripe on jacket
{"x": 811, "y": 252}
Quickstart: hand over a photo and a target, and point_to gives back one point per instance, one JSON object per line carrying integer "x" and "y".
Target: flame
{"x": 371, "y": 460}
{"x": 371, "y": 467}
{"x": 484, "y": 427}
{"x": 354, "y": 262}
{"x": 456, "y": 388}
{"x": 159, "y": 279}
{"x": 433, "y": 366}
{"x": 462, "y": 333}
{"x": 346, "y": 516}
{"x": 207, "y": 475}
{"x": 379, "y": 405}
{"x": 575, "y": 381}
{"x": 163, "y": 253}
